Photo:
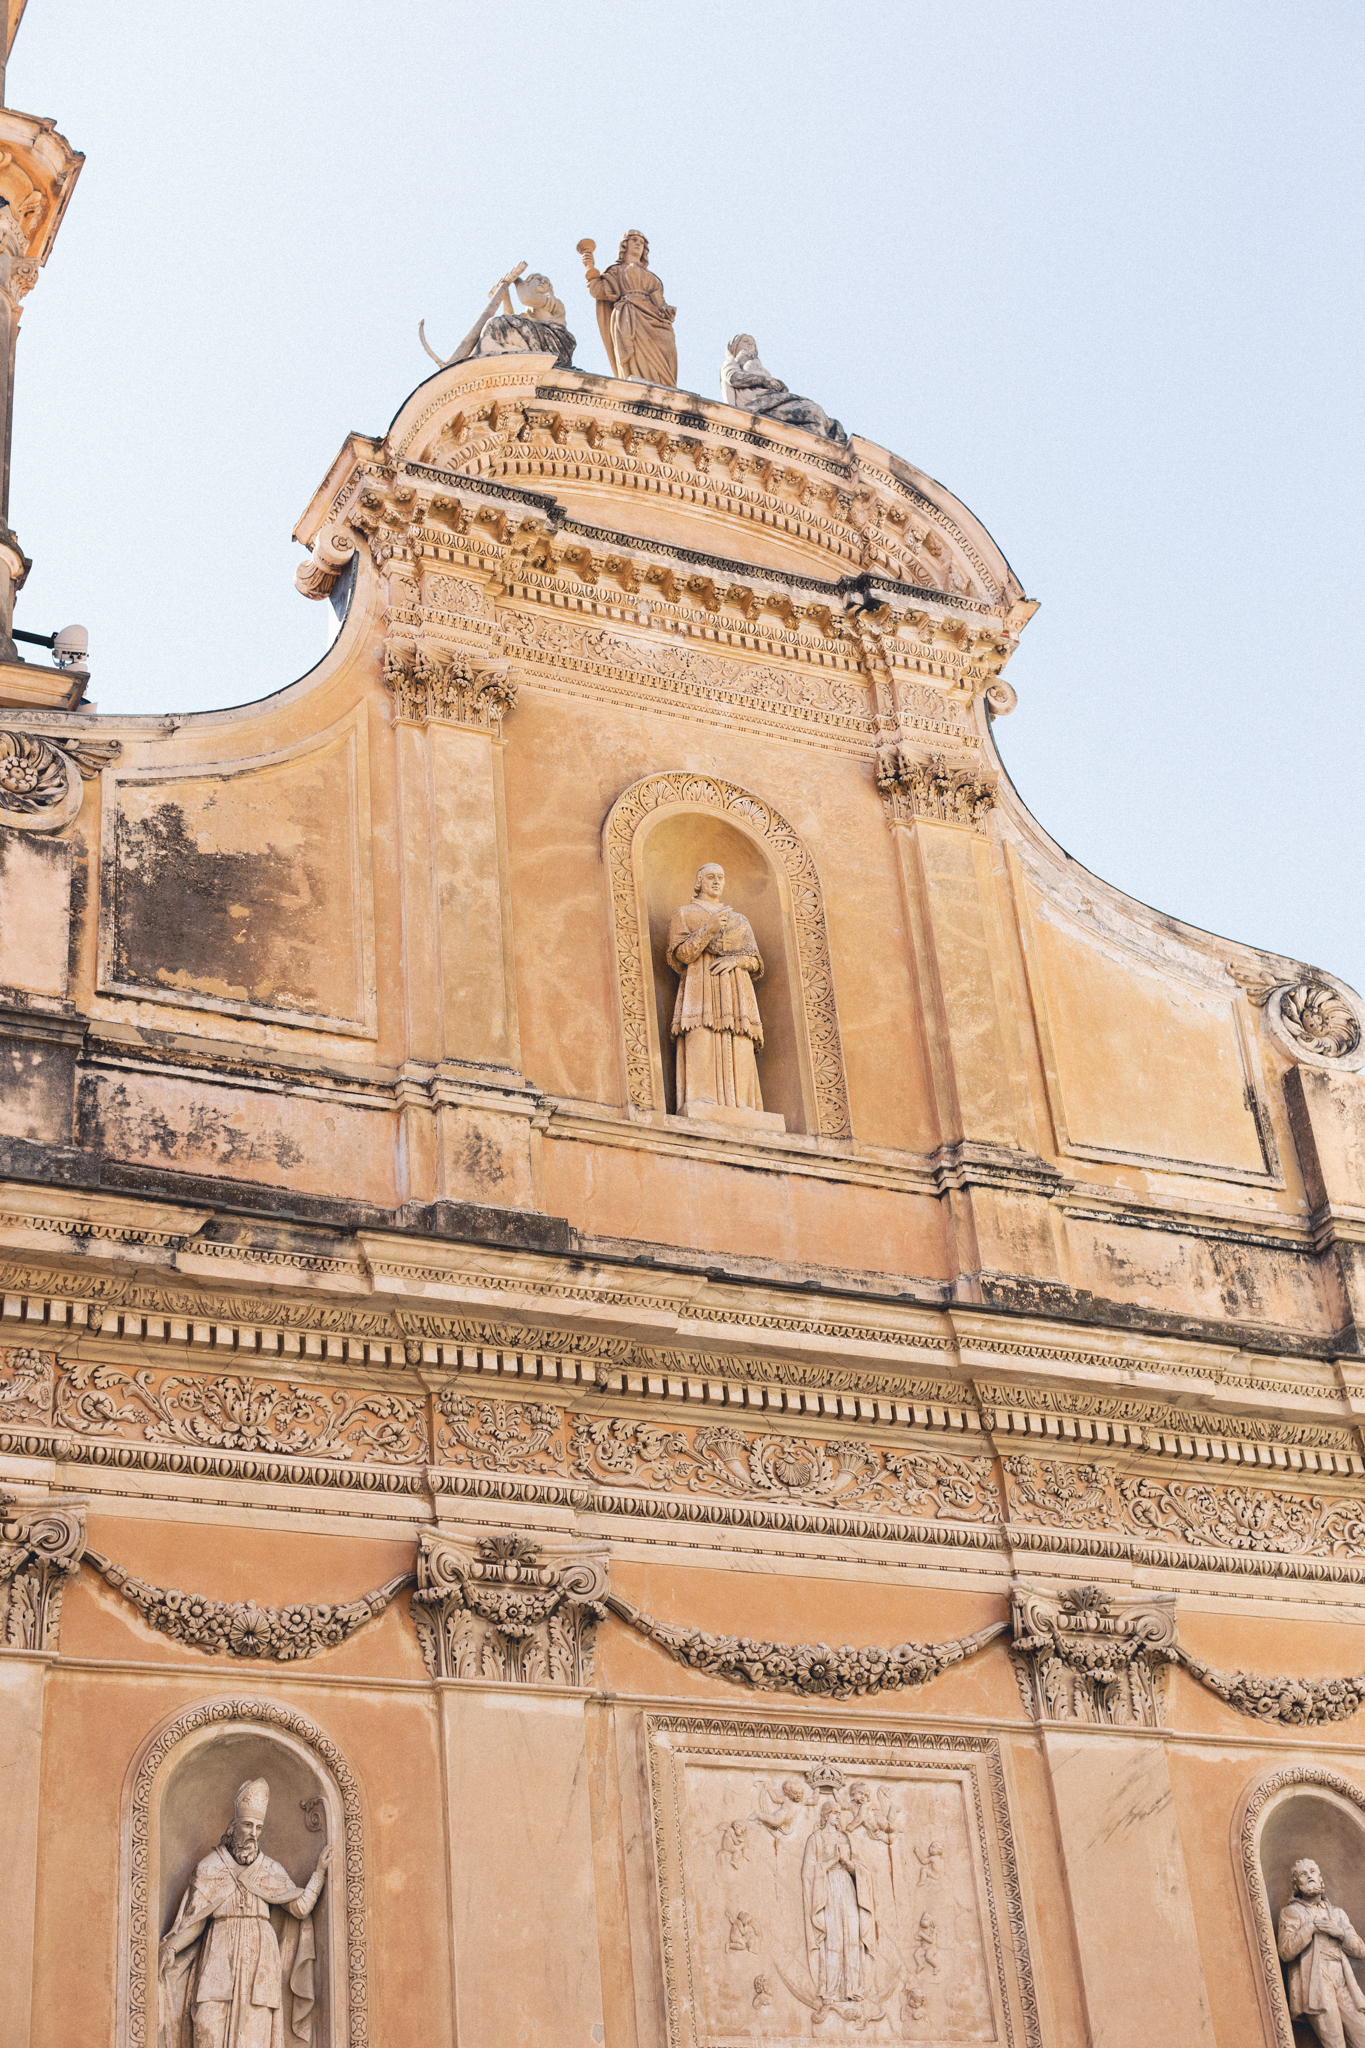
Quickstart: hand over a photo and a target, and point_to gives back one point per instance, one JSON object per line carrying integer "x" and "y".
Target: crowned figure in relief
{"x": 236, "y": 1969}
{"x": 716, "y": 1025}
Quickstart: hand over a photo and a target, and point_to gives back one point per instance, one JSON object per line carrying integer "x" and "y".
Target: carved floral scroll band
{"x": 708, "y": 792}
{"x": 810, "y": 1668}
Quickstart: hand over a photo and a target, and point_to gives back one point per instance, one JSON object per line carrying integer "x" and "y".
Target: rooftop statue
{"x": 636, "y": 325}
{"x": 744, "y": 382}
{"x": 540, "y": 330}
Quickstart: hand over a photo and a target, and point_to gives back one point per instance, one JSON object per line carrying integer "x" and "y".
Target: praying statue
{"x": 716, "y": 1025}
{"x": 501, "y": 331}
{"x": 636, "y": 325}
{"x": 236, "y": 1969}
{"x": 744, "y": 382}
{"x": 840, "y": 1909}
{"x": 1315, "y": 1939}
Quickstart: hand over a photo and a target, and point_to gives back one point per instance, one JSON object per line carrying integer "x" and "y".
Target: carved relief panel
{"x": 821, "y": 1883}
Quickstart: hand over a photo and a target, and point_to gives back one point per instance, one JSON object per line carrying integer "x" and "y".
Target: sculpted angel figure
{"x": 1315, "y": 1938}
{"x": 716, "y": 1025}
{"x": 636, "y": 325}
{"x": 744, "y": 382}
{"x": 236, "y": 1969}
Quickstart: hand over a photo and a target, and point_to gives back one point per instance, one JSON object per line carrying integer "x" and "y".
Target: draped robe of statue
{"x": 247, "y": 1980}
{"x": 1315, "y": 1939}
{"x": 636, "y": 325}
{"x": 716, "y": 1024}
{"x": 839, "y": 1903}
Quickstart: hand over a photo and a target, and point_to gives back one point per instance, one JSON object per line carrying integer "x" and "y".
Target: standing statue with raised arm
{"x": 744, "y": 382}
{"x": 1315, "y": 1938}
{"x": 501, "y": 331}
{"x": 636, "y": 325}
{"x": 236, "y": 1969}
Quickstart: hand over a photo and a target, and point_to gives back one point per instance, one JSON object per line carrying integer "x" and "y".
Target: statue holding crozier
{"x": 236, "y": 1969}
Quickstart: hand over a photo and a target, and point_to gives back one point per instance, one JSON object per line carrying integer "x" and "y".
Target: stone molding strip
{"x": 813, "y": 1669}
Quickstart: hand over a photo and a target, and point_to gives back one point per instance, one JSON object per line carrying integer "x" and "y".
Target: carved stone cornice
{"x": 813, "y": 1669}
{"x": 1087, "y": 1654}
{"x": 505, "y": 1608}
{"x": 41, "y": 1545}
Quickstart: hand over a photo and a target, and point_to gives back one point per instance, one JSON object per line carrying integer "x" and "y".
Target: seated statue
{"x": 501, "y": 331}
{"x": 744, "y": 382}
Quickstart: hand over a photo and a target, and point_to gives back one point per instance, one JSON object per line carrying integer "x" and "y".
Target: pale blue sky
{"x": 1098, "y": 267}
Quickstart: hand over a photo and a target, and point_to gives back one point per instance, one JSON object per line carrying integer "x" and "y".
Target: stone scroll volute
{"x": 803, "y": 1073}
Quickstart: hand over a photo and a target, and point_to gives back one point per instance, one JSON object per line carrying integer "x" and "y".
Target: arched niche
{"x": 1304, "y": 1811}
{"x": 657, "y": 834}
{"x": 178, "y": 1802}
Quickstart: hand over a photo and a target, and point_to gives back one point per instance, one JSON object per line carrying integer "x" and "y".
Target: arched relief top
{"x": 628, "y": 823}
{"x": 1304, "y": 1811}
{"x": 142, "y": 1878}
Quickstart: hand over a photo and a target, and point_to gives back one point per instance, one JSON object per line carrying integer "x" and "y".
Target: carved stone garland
{"x": 242, "y": 1628}
{"x": 708, "y": 792}
{"x": 505, "y": 1610}
{"x": 810, "y": 1668}
{"x": 40, "y": 1548}
{"x": 132, "y": 1972}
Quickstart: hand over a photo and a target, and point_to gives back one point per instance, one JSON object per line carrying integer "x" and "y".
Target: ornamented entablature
{"x": 38, "y": 172}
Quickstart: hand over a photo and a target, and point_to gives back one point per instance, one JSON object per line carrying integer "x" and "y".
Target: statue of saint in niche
{"x": 1315, "y": 1939}
{"x": 744, "y": 382}
{"x": 636, "y": 325}
{"x": 716, "y": 1025}
{"x": 236, "y": 1969}
{"x": 501, "y": 331}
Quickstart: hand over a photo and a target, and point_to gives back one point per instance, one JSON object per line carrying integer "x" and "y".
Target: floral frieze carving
{"x": 27, "y": 1379}
{"x": 810, "y": 1668}
{"x": 41, "y": 1544}
{"x": 230, "y": 1412}
{"x": 764, "y": 1468}
{"x": 506, "y": 1609}
{"x": 1059, "y": 1495}
{"x": 1091, "y": 1655}
{"x": 241, "y": 1628}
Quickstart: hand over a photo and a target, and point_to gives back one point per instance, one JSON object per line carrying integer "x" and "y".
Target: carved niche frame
{"x": 1249, "y": 1821}
{"x": 625, "y": 833}
{"x": 139, "y": 1859}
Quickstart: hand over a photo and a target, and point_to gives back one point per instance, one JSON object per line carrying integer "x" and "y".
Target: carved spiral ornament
{"x": 1320, "y": 1019}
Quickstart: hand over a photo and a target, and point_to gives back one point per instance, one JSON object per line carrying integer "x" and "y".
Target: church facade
{"x": 662, "y": 1383}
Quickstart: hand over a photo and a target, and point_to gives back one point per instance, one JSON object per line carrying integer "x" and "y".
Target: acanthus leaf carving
{"x": 933, "y": 789}
{"x": 507, "y": 1609}
{"x": 429, "y": 684}
{"x": 27, "y": 1380}
{"x": 41, "y": 1545}
{"x": 240, "y": 1628}
{"x": 813, "y": 1669}
{"x": 1090, "y": 1655}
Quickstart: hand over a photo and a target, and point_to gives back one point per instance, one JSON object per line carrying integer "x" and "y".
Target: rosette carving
{"x": 811, "y": 1668}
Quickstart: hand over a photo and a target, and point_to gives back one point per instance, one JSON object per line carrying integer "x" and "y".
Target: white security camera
{"x": 71, "y": 646}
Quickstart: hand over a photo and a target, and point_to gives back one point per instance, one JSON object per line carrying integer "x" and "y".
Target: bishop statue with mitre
{"x": 236, "y": 1969}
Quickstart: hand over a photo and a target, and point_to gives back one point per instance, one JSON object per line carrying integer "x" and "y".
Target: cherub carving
{"x": 926, "y": 1945}
{"x": 930, "y": 1862}
{"x": 913, "y": 2005}
{"x": 734, "y": 1844}
{"x": 743, "y": 1935}
{"x": 779, "y": 1811}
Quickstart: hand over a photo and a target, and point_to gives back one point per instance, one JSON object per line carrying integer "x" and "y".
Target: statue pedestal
{"x": 722, "y": 1113}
